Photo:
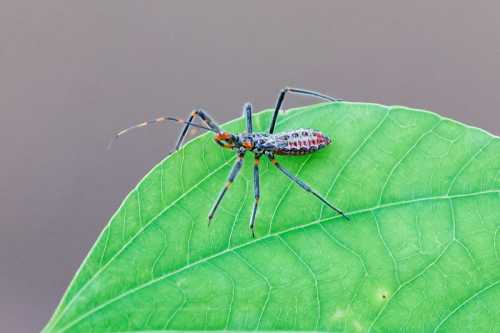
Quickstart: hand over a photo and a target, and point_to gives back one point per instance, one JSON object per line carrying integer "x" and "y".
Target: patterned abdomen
{"x": 301, "y": 142}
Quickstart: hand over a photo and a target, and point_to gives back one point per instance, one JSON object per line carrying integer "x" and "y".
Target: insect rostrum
{"x": 269, "y": 144}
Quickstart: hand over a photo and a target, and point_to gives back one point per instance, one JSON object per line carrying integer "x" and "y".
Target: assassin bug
{"x": 294, "y": 142}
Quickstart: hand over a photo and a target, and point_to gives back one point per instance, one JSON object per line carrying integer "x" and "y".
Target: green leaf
{"x": 419, "y": 254}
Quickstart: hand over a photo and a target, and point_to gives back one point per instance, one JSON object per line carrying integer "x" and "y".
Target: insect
{"x": 269, "y": 144}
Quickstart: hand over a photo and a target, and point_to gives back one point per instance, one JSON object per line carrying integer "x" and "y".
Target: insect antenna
{"x": 154, "y": 121}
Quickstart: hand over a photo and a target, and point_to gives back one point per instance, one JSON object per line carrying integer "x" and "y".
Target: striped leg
{"x": 184, "y": 131}
{"x": 256, "y": 189}
{"x": 304, "y": 92}
{"x": 232, "y": 175}
{"x": 304, "y": 186}
{"x": 205, "y": 117}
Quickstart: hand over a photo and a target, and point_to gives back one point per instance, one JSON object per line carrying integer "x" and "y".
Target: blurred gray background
{"x": 72, "y": 73}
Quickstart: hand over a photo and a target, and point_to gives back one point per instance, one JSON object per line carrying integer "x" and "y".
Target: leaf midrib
{"x": 303, "y": 226}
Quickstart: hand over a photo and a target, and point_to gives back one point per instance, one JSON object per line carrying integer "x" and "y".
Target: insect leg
{"x": 304, "y": 186}
{"x": 296, "y": 91}
{"x": 184, "y": 131}
{"x": 232, "y": 175}
{"x": 205, "y": 117}
{"x": 247, "y": 111}
{"x": 256, "y": 189}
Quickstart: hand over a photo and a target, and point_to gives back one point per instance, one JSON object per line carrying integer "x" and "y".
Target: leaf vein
{"x": 404, "y": 157}
{"x": 269, "y": 286}
{"x": 466, "y": 164}
{"x": 465, "y": 302}
{"x": 313, "y": 274}
{"x": 387, "y": 248}
{"x": 353, "y": 155}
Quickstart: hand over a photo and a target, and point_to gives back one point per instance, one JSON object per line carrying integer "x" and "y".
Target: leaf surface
{"x": 421, "y": 252}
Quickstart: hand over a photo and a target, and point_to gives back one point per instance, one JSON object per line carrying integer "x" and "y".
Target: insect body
{"x": 269, "y": 144}
{"x": 296, "y": 142}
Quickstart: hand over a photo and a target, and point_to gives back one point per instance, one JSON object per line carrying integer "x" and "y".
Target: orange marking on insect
{"x": 247, "y": 144}
{"x": 222, "y": 136}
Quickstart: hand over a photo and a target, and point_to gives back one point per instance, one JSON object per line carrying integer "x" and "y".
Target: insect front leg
{"x": 297, "y": 91}
{"x": 303, "y": 185}
{"x": 205, "y": 117}
{"x": 232, "y": 175}
{"x": 256, "y": 189}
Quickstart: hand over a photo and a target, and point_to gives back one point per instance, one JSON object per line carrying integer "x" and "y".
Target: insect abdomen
{"x": 301, "y": 142}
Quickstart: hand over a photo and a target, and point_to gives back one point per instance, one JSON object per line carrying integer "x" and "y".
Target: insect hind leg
{"x": 297, "y": 91}
{"x": 303, "y": 185}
